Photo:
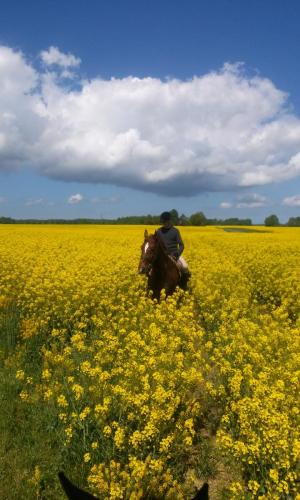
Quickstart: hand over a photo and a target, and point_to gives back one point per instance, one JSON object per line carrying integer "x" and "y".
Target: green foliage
{"x": 272, "y": 220}
{"x": 198, "y": 219}
{"x": 7, "y": 220}
{"x": 183, "y": 220}
{"x": 174, "y": 216}
{"x": 9, "y": 327}
{"x": 294, "y": 222}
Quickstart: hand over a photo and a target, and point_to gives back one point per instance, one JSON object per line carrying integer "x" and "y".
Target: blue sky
{"x": 130, "y": 107}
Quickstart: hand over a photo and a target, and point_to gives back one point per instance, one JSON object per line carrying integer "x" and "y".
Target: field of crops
{"x": 132, "y": 398}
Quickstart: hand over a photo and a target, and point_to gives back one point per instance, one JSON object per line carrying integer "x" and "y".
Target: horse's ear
{"x": 146, "y": 234}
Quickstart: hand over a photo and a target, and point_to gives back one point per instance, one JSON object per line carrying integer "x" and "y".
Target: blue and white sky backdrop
{"x": 121, "y": 107}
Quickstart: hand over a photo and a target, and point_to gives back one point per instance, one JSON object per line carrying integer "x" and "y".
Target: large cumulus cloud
{"x": 223, "y": 130}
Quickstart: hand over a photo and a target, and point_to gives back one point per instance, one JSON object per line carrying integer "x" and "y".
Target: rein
{"x": 161, "y": 245}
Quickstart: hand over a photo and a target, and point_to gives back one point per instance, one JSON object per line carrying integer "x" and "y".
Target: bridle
{"x": 148, "y": 257}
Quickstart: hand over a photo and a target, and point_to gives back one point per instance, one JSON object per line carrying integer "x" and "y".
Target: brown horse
{"x": 161, "y": 269}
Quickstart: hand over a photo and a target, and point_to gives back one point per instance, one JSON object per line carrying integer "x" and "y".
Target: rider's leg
{"x": 185, "y": 273}
{"x": 183, "y": 266}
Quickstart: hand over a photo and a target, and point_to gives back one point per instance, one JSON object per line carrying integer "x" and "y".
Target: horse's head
{"x": 149, "y": 252}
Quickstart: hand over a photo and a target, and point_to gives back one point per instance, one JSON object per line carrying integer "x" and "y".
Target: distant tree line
{"x": 294, "y": 221}
{"x": 273, "y": 220}
{"x": 9, "y": 220}
{"x": 195, "y": 219}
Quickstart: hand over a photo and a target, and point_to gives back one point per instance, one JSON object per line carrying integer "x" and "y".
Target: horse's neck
{"x": 162, "y": 257}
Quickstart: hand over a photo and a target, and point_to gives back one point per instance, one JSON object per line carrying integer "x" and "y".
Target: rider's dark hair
{"x": 165, "y": 217}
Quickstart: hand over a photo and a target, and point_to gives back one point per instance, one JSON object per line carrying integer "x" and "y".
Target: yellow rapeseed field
{"x": 144, "y": 395}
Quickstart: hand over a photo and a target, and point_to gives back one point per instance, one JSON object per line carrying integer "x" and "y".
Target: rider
{"x": 173, "y": 242}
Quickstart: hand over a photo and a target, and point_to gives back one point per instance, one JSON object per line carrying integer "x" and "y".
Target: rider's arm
{"x": 180, "y": 243}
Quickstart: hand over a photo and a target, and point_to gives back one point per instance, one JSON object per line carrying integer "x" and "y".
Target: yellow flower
{"x": 78, "y": 391}
{"x": 24, "y": 395}
{"x": 61, "y": 401}
{"x": 142, "y": 376}
{"x": 107, "y": 431}
{"x": 119, "y": 437}
{"x": 46, "y": 374}
{"x": 85, "y": 412}
{"x": 20, "y": 375}
{"x": 273, "y": 473}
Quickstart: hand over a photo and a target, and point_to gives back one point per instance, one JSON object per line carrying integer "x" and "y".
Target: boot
{"x": 185, "y": 276}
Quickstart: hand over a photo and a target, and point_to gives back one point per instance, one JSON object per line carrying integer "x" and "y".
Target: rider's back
{"x": 172, "y": 240}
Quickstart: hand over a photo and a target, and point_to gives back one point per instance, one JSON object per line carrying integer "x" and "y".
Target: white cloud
{"x": 33, "y": 202}
{"x": 251, "y": 200}
{"x": 54, "y": 56}
{"x": 247, "y": 200}
{"x": 20, "y": 121}
{"x": 109, "y": 199}
{"x": 2, "y": 199}
{"x": 215, "y": 132}
{"x": 292, "y": 201}
{"x": 75, "y": 198}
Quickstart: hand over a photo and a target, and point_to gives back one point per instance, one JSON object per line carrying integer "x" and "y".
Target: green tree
{"x": 183, "y": 220}
{"x": 198, "y": 219}
{"x": 6, "y": 220}
{"x": 272, "y": 220}
{"x": 174, "y": 216}
{"x": 294, "y": 221}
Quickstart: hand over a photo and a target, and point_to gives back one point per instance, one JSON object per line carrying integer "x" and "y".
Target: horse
{"x": 161, "y": 269}
{"x": 75, "y": 493}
